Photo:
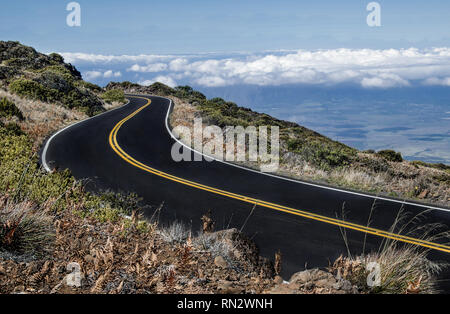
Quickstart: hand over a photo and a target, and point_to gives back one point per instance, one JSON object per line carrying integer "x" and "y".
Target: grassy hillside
{"x": 33, "y": 75}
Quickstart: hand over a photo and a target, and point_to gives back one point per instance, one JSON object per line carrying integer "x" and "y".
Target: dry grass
{"x": 213, "y": 243}
{"x": 183, "y": 114}
{"x": 117, "y": 258}
{"x": 403, "y": 268}
{"x": 25, "y": 229}
{"x": 42, "y": 119}
{"x": 352, "y": 177}
{"x": 113, "y": 105}
{"x": 176, "y": 232}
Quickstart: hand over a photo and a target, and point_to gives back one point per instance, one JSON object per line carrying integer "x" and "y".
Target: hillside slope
{"x": 33, "y": 75}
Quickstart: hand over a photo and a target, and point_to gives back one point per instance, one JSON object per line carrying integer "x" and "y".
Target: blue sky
{"x": 198, "y": 26}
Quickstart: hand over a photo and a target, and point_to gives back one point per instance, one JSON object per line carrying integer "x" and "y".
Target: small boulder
{"x": 228, "y": 287}
{"x": 280, "y": 289}
{"x": 278, "y": 280}
{"x": 220, "y": 262}
{"x": 301, "y": 277}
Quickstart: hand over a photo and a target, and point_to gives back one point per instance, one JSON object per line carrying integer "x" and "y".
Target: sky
{"x": 215, "y": 43}
{"x": 201, "y": 26}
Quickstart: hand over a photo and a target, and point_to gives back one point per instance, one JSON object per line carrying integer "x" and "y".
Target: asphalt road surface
{"x": 129, "y": 150}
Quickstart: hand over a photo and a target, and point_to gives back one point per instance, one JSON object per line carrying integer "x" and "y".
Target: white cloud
{"x": 110, "y": 73}
{"x": 365, "y": 67}
{"x": 384, "y": 80}
{"x": 92, "y": 75}
{"x": 78, "y": 58}
{"x": 162, "y": 79}
{"x": 211, "y": 81}
{"x": 437, "y": 81}
{"x": 156, "y": 67}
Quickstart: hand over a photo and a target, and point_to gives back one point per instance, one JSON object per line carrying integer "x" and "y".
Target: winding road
{"x": 129, "y": 149}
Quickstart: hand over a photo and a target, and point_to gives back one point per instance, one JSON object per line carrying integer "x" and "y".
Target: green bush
{"x": 390, "y": 155}
{"x": 72, "y": 97}
{"x": 57, "y": 58}
{"x": 57, "y": 69}
{"x": 90, "y": 86}
{"x": 33, "y": 90}
{"x": 320, "y": 153}
{"x": 13, "y": 128}
{"x": 187, "y": 92}
{"x": 8, "y": 109}
{"x": 114, "y": 95}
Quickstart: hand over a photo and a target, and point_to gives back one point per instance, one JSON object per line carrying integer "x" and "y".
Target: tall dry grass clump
{"x": 25, "y": 229}
{"x": 397, "y": 267}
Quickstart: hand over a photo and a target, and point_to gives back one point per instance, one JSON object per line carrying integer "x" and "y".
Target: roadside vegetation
{"x": 114, "y": 96}
{"x": 8, "y": 109}
{"x": 396, "y": 267}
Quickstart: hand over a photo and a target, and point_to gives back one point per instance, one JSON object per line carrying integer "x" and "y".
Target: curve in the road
{"x": 306, "y": 214}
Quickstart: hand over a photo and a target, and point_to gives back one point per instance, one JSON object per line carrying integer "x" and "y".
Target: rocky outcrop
{"x": 314, "y": 281}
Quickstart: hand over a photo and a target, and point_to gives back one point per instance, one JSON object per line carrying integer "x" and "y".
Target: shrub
{"x": 24, "y": 230}
{"x": 90, "y": 86}
{"x": 13, "y": 129}
{"x": 33, "y": 90}
{"x": 114, "y": 95}
{"x": 214, "y": 243}
{"x": 56, "y": 57}
{"x": 8, "y": 109}
{"x": 402, "y": 270}
{"x": 321, "y": 153}
{"x": 57, "y": 69}
{"x": 188, "y": 92}
{"x": 390, "y": 155}
{"x": 126, "y": 203}
{"x": 177, "y": 232}
{"x": 161, "y": 89}
{"x": 439, "y": 166}
{"x": 62, "y": 90}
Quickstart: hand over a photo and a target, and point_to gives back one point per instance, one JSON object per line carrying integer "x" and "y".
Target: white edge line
{"x": 47, "y": 144}
{"x": 291, "y": 180}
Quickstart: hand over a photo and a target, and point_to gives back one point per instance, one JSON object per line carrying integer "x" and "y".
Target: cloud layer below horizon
{"x": 363, "y": 67}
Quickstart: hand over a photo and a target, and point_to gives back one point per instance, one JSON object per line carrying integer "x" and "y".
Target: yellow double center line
{"x": 309, "y": 215}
